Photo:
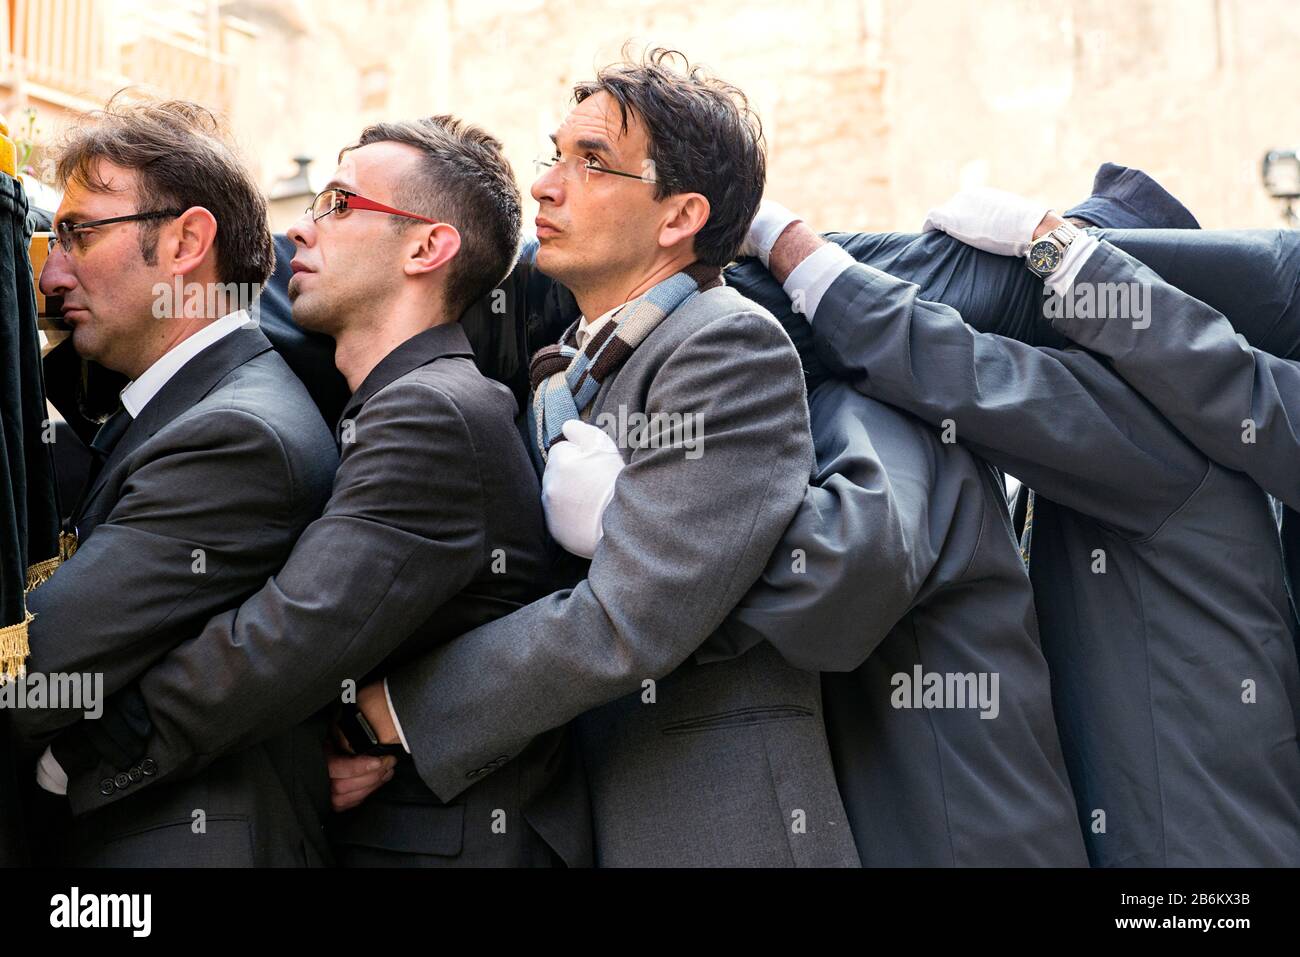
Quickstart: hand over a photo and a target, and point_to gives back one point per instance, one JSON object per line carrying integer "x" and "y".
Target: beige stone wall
{"x": 875, "y": 109}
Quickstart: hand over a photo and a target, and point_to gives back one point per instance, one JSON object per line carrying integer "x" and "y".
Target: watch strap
{"x": 361, "y": 735}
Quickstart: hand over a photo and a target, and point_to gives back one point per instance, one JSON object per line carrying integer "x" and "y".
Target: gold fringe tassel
{"x": 14, "y": 650}
{"x": 14, "y": 645}
{"x": 37, "y": 574}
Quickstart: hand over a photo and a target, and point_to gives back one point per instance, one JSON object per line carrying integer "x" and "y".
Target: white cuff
{"x": 392, "y": 713}
{"x": 50, "y": 774}
{"x": 811, "y": 278}
{"x": 1062, "y": 278}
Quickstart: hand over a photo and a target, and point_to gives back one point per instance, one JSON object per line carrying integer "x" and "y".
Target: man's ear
{"x": 191, "y": 235}
{"x": 437, "y": 244}
{"x": 685, "y": 215}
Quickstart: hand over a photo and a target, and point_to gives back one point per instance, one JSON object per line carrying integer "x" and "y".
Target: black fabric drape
{"x": 29, "y": 524}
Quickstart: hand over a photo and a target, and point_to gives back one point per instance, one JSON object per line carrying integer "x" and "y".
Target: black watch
{"x": 361, "y": 734}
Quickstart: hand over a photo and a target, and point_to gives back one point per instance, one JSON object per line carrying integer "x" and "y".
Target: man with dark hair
{"x": 655, "y": 175}
{"x": 212, "y": 465}
{"x": 434, "y": 525}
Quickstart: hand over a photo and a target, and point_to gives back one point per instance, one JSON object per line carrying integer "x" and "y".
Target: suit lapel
{"x": 192, "y": 382}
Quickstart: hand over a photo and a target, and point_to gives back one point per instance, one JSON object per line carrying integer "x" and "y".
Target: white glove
{"x": 577, "y": 485}
{"x": 50, "y": 774}
{"x": 769, "y": 223}
{"x": 989, "y": 219}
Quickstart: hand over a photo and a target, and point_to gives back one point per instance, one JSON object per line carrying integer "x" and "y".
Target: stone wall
{"x": 875, "y": 109}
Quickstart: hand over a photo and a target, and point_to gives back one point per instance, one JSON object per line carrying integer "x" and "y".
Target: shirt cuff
{"x": 50, "y": 774}
{"x": 1063, "y": 277}
{"x": 811, "y": 278}
{"x": 392, "y": 713}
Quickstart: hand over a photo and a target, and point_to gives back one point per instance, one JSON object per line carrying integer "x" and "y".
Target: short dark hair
{"x": 182, "y": 158}
{"x": 703, "y": 138}
{"x": 463, "y": 179}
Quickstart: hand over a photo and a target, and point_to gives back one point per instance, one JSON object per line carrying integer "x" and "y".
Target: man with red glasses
{"x": 434, "y": 525}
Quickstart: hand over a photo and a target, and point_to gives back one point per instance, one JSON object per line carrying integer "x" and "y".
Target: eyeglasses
{"x": 337, "y": 200}
{"x": 64, "y": 231}
{"x": 579, "y": 170}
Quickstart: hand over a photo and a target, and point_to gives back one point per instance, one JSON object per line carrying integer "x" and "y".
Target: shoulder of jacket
{"x": 721, "y": 312}
{"x": 267, "y": 408}
{"x": 452, "y": 383}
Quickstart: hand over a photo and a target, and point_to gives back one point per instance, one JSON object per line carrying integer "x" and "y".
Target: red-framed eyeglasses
{"x": 336, "y": 200}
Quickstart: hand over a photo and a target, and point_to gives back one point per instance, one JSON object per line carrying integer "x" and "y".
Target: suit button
{"x": 148, "y": 766}
{"x": 106, "y": 787}
{"x": 135, "y": 774}
{"x": 122, "y": 781}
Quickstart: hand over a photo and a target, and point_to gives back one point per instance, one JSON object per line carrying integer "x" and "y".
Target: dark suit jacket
{"x": 200, "y": 500}
{"x": 1157, "y": 578}
{"x": 434, "y": 526}
{"x": 1237, "y": 403}
{"x": 907, "y": 560}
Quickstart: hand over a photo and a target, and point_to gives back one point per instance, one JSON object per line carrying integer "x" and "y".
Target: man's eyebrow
{"x": 596, "y": 145}
{"x": 71, "y": 216}
{"x": 591, "y": 145}
{"x": 337, "y": 184}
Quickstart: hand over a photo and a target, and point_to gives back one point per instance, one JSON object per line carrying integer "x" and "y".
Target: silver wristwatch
{"x": 1047, "y": 252}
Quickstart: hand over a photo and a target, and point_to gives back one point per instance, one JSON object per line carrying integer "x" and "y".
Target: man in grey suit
{"x": 434, "y": 524}
{"x": 204, "y": 477}
{"x": 1165, "y": 618}
{"x": 655, "y": 176}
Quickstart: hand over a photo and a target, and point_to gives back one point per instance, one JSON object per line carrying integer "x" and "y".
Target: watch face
{"x": 1044, "y": 256}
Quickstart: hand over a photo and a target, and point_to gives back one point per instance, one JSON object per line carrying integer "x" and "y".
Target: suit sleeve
{"x": 684, "y": 539}
{"x": 1238, "y": 405}
{"x": 856, "y": 551}
{"x": 1055, "y": 419}
{"x": 195, "y": 529}
{"x": 402, "y": 533}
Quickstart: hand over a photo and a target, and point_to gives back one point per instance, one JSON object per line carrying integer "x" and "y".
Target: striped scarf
{"x": 565, "y": 379}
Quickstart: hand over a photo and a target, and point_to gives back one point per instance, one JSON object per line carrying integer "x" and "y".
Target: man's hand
{"x": 992, "y": 220}
{"x": 353, "y": 777}
{"x": 577, "y": 486}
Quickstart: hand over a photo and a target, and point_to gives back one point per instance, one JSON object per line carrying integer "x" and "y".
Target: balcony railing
{"x": 75, "y": 53}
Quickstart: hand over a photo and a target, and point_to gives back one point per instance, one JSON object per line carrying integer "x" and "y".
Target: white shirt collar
{"x": 587, "y": 329}
{"x": 138, "y": 393}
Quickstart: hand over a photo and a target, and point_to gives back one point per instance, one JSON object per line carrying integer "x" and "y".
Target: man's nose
{"x": 549, "y": 187}
{"x": 56, "y": 275}
{"x": 303, "y": 232}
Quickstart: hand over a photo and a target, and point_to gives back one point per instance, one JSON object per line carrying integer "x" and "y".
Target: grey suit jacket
{"x": 1159, "y": 588}
{"x": 718, "y": 764}
{"x": 902, "y": 556}
{"x": 434, "y": 526}
{"x": 200, "y": 500}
